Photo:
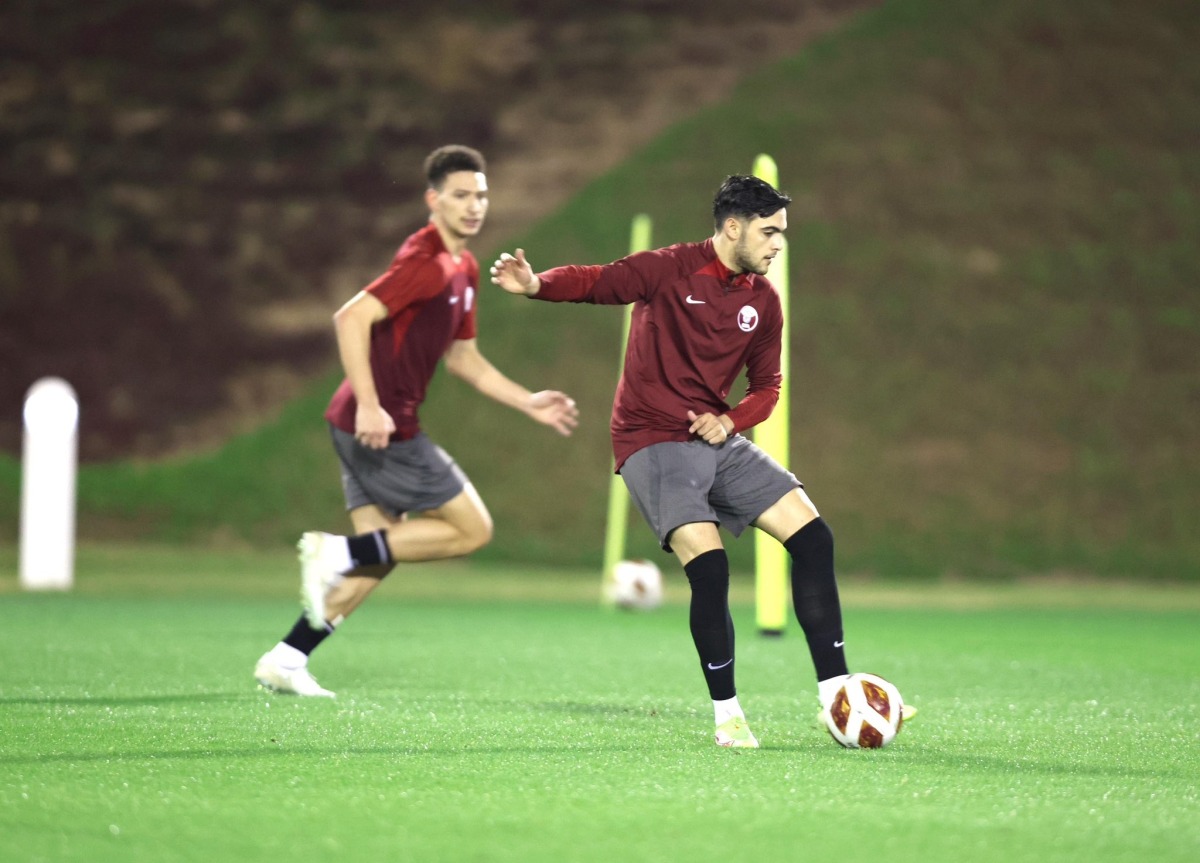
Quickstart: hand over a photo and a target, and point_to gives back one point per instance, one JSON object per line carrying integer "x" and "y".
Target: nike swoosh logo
{"x": 694, "y": 302}
{"x": 839, "y": 644}
{"x": 718, "y": 667}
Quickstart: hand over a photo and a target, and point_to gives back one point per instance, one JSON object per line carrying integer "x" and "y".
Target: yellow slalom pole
{"x": 618, "y": 495}
{"x": 773, "y": 436}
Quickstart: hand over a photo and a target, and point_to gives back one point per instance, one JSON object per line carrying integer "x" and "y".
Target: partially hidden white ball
{"x": 634, "y": 584}
{"x": 866, "y": 712}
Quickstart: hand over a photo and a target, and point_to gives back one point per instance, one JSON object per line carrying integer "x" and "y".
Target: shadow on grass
{"x": 951, "y": 763}
{"x": 126, "y": 701}
{"x": 275, "y": 750}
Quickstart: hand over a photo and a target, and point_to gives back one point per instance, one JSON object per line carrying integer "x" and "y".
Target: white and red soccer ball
{"x": 866, "y": 712}
{"x": 634, "y": 584}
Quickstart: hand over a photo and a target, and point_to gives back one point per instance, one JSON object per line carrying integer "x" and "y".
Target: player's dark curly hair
{"x": 746, "y": 198}
{"x": 450, "y": 158}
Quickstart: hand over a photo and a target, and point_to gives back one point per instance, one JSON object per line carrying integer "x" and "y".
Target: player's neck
{"x": 725, "y": 254}
{"x": 455, "y": 243}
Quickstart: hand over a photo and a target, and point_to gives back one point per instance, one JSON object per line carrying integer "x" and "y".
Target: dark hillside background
{"x": 993, "y": 244}
{"x": 188, "y": 188}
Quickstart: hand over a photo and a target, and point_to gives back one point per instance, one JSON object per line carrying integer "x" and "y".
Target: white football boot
{"x": 317, "y": 575}
{"x": 287, "y": 681}
{"x": 734, "y": 733}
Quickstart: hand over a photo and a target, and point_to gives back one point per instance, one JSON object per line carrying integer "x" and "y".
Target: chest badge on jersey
{"x": 747, "y": 319}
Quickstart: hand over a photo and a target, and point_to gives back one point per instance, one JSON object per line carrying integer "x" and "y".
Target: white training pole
{"x": 48, "y": 486}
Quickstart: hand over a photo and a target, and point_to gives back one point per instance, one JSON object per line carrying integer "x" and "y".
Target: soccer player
{"x": 702, "y": 313}
{"x": 390, "y": 337}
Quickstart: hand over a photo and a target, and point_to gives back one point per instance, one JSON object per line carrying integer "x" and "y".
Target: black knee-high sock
{"x": 368, "y": 549}
{"x": 815, "y": 597}
{"x": 306, "y": 639}
{"x": 711, "y": 623}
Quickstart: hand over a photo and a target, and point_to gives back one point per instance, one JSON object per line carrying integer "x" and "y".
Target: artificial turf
{"x": 505, "y": 716}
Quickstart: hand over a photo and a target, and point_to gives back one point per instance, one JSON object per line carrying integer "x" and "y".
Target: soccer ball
{"x": 634, "y": 584}
{"x": 866, "y": 712}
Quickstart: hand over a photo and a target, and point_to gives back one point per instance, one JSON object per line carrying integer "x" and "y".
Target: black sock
{"x": 815, "y": 597}
{"x": 711, "y": 623}
{"x": 304, "y": 638}
{"x": 368, "y": 549}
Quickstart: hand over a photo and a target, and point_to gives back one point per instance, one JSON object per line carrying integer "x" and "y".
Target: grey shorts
{"x": 407, "y": 476}
{"x": 731, "y": 485}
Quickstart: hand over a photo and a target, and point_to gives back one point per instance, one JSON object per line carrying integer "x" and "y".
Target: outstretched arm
{"x": 515, "y": 275}
{"x": 548, "y": 407}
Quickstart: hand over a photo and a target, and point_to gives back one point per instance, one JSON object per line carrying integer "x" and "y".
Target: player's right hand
{"x": 373, "y": 427}
{"x": 514, "y": 274}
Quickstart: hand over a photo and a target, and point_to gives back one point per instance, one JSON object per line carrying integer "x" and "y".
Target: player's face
{"x": 459, "y": 207}
{"x": 759, "y": 242}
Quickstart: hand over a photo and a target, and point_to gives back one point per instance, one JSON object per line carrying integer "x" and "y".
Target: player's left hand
{"x": 710, "y": 428}
{"x": 555, "y": 409}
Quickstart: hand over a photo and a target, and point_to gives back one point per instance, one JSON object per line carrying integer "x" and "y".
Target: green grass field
{"x": 489, "y": 714}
